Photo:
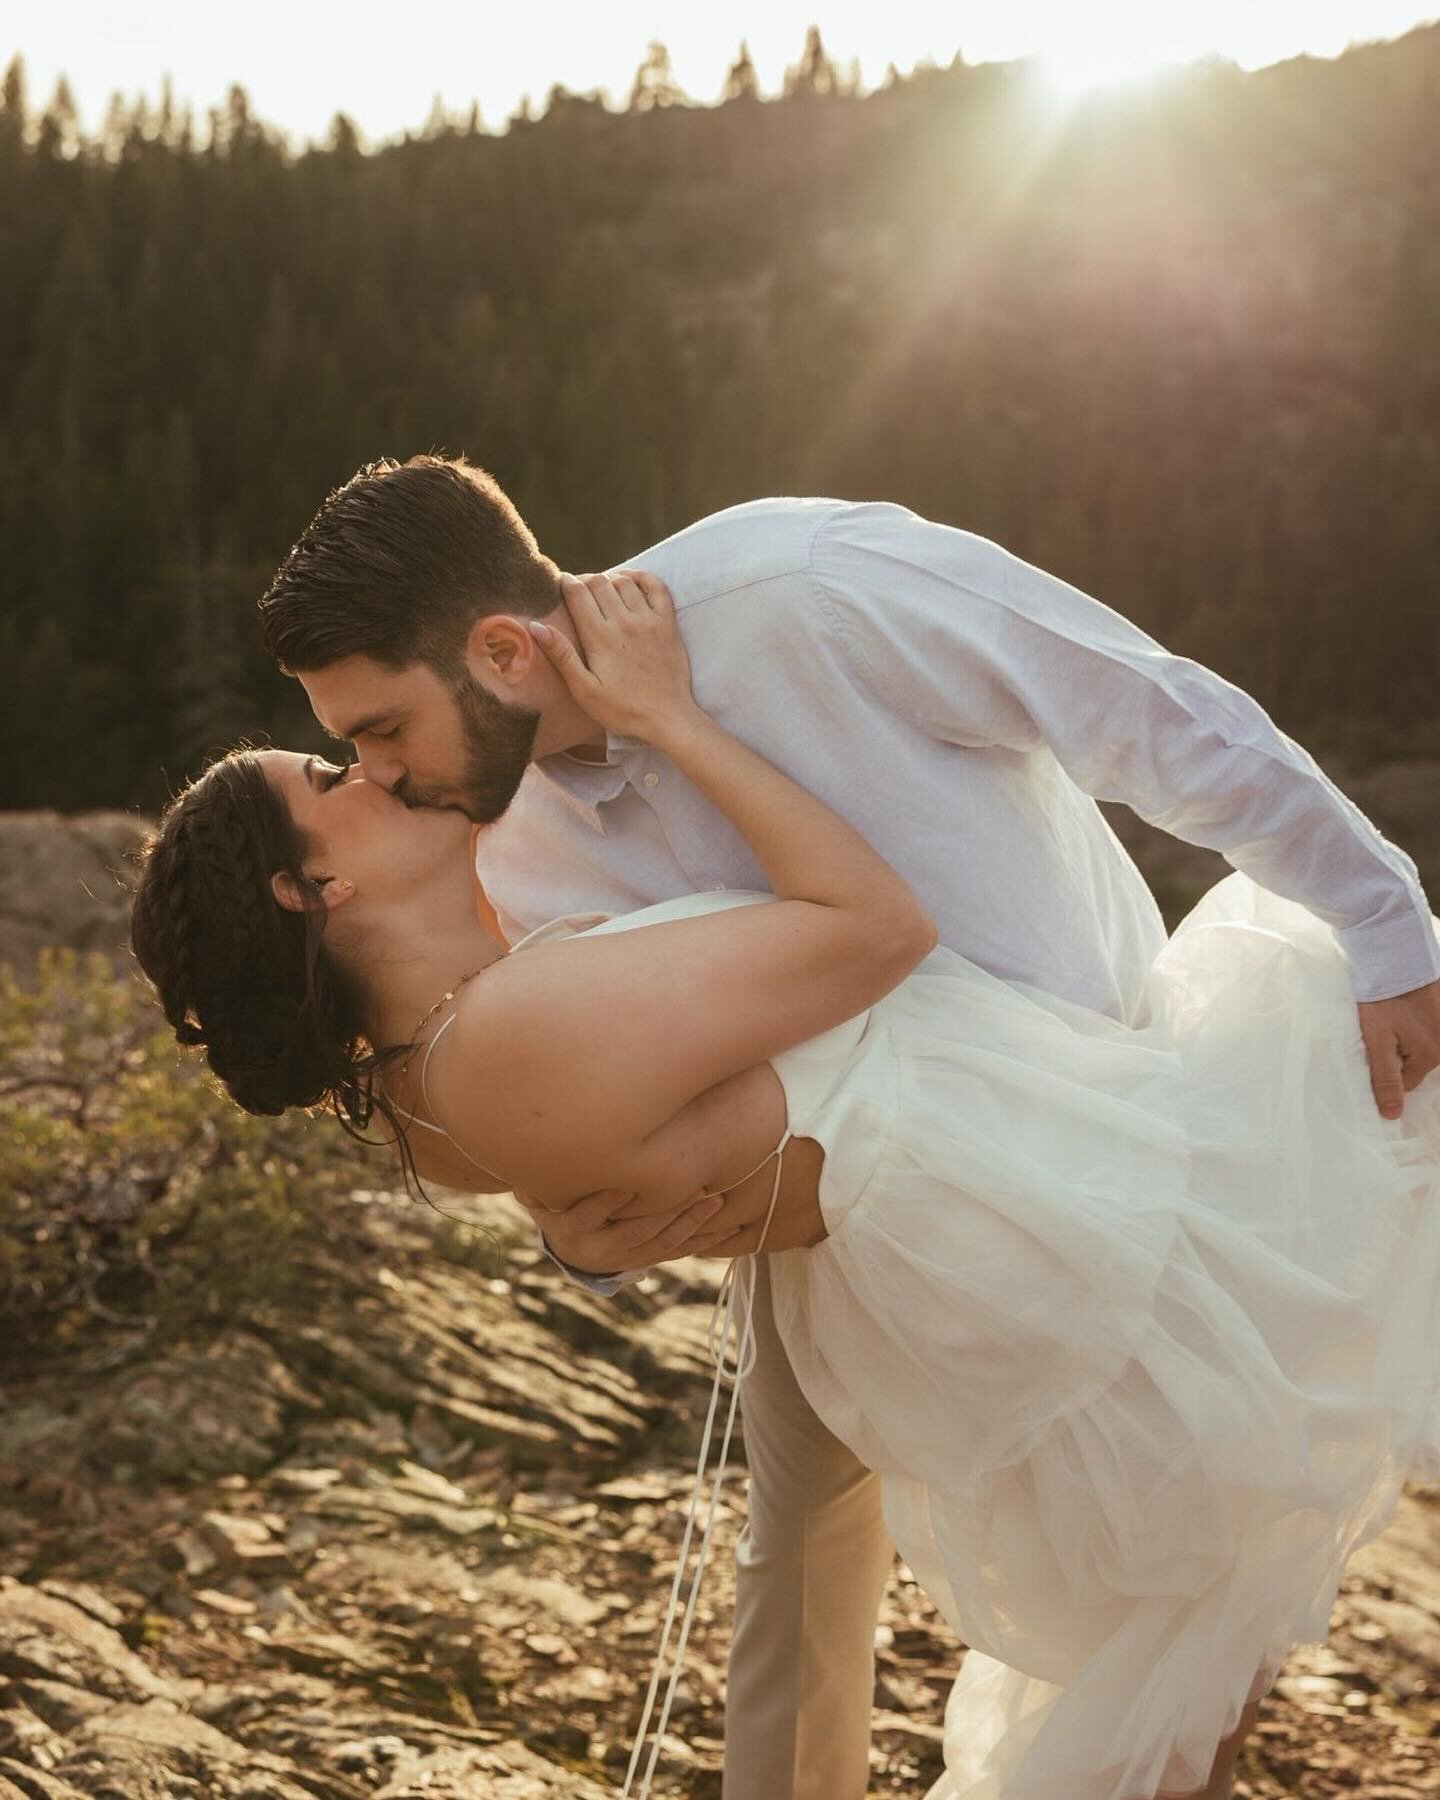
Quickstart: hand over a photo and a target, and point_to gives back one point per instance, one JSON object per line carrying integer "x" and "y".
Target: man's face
{"x": 429, "y": 741}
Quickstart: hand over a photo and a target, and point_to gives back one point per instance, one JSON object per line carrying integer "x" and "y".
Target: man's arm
{"x": 984, "y": 650}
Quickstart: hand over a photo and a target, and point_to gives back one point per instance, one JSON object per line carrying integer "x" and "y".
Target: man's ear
{"x": 499, "y": 649}
{"x": 304, "y": 895}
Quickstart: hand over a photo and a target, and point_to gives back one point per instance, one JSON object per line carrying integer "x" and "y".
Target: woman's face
{"x": 359, "y": 833}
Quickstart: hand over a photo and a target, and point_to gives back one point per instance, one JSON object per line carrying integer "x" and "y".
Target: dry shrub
{"x": 133, "y": 1194}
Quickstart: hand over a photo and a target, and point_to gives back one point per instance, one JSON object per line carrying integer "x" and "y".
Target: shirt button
{"x": 651, "y": 779}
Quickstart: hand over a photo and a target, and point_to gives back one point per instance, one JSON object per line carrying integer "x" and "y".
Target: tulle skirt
{"x": 1140, "y": 1327}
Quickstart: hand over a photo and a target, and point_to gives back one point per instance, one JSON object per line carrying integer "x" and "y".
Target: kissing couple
{"x": 1097, "y": 1273}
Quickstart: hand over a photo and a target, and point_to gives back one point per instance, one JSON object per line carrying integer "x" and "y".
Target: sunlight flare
{"x": 1120, "y": 57}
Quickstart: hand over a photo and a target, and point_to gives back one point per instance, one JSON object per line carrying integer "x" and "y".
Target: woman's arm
{"x": 563, "y": 1061}
{"x": 635, "y": 679}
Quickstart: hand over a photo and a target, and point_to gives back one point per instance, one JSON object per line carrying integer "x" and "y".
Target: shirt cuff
{"x": 1391, "y": 956}
{"x": 604, "y": 1285}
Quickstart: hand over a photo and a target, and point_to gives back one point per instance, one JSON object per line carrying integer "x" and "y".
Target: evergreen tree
{"x": 655, "y": 84}
{"x": 741, "y": 83}
{"x": 59, "y": 133}
{"x": 344, "y": 138}
{"x": 814, "y": 75}
{"x": 211, "y": 708}
{"x": 12, "y": 109}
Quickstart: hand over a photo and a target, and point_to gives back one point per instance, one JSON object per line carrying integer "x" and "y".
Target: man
{"x": 962, "y": 709}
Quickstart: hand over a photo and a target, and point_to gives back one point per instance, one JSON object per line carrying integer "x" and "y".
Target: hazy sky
{"x": 383, "y": 63}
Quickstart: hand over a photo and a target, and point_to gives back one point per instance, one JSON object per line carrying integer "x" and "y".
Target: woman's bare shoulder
{"x": 513, "y": 1080}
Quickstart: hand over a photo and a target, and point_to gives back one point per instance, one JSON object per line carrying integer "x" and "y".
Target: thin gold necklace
{"x": 444, "y": 998}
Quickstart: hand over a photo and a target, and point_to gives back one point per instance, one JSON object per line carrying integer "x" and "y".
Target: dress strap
{"x": 734, "y": 1374}
{"x": 427, "y": 1125}
{"x": 777, "y": 1151}
{"x": 414, "y": 1118}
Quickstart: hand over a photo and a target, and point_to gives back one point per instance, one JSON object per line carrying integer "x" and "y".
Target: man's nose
{"x": 385, "y": 771}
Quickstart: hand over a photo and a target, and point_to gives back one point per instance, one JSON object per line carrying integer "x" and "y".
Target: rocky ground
{"x": 413, "y": 1540}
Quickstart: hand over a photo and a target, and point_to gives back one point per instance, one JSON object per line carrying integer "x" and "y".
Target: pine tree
{"x": 168, "y": 127}
{"x": 211, "y": 708}
{"x": 655, "y": 84}
{"x": 12, "y": 111}
{"x": 344, "y": 138}
{"x": 59, "y": 134}
{"x": 741, "y": 83}
{"x": 814, "y": 75}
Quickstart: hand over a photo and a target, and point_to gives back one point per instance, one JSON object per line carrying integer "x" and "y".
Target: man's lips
{"x": 429, "y": 803}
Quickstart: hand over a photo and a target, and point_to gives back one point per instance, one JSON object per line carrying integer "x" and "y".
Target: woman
{"x": 1140, "y": 1327}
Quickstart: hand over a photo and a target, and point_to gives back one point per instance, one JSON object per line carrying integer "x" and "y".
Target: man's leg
{"x": 810, "y": 1570}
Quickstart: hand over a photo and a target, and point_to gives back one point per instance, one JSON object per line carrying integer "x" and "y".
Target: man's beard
{"x": 498, "y": 740}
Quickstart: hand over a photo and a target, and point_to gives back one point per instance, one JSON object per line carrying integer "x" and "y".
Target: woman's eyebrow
{"x": 307, "y": 769}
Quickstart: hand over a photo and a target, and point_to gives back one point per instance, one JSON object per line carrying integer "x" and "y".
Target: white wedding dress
{"x": 1140, "y": 1327}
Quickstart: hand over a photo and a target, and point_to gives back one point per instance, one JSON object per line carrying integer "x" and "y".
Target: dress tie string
{"x": 723, "y": 1314}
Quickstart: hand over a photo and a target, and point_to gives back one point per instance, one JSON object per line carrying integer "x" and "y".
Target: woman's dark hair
{"x": 399, "y": 563}
{"x": 278, "y": 1016}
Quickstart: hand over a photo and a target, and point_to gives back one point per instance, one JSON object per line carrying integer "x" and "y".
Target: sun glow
{"x": 1069, "y": 78}
{"x": 1125, "y": 56}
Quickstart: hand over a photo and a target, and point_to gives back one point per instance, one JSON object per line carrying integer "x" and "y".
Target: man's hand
{"x": 595, "y": 1235}
{"x": 611, "y": 1231}
{"x": 1402, "y": 1041}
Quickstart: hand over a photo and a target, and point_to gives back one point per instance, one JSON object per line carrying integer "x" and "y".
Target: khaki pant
{"x": 811, "y": 1566}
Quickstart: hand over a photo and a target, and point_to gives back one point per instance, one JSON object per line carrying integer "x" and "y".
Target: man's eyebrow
{"x": 368, "y": 723}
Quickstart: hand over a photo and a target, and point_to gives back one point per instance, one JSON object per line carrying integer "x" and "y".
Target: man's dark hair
{"x": 399, "y": 563}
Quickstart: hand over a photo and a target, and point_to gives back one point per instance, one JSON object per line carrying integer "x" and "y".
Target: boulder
{"x": 66, "y": 880}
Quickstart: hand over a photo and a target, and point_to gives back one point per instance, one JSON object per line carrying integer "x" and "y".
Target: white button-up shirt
{"x": 964, "y": 711}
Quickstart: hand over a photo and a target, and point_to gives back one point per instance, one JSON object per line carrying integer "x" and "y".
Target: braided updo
{"x": 279, "y": 1018}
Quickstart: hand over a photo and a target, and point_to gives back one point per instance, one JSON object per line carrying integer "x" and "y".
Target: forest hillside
{"x": 1179, "y": 346}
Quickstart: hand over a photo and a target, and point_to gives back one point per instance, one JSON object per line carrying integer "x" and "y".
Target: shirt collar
{"x": 591, "y": 784}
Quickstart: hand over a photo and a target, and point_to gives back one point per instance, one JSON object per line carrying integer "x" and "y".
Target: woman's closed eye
{"x": 333, "y": 777}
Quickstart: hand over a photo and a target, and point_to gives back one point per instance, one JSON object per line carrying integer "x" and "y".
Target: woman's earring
{"x": 330, "y": 888}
